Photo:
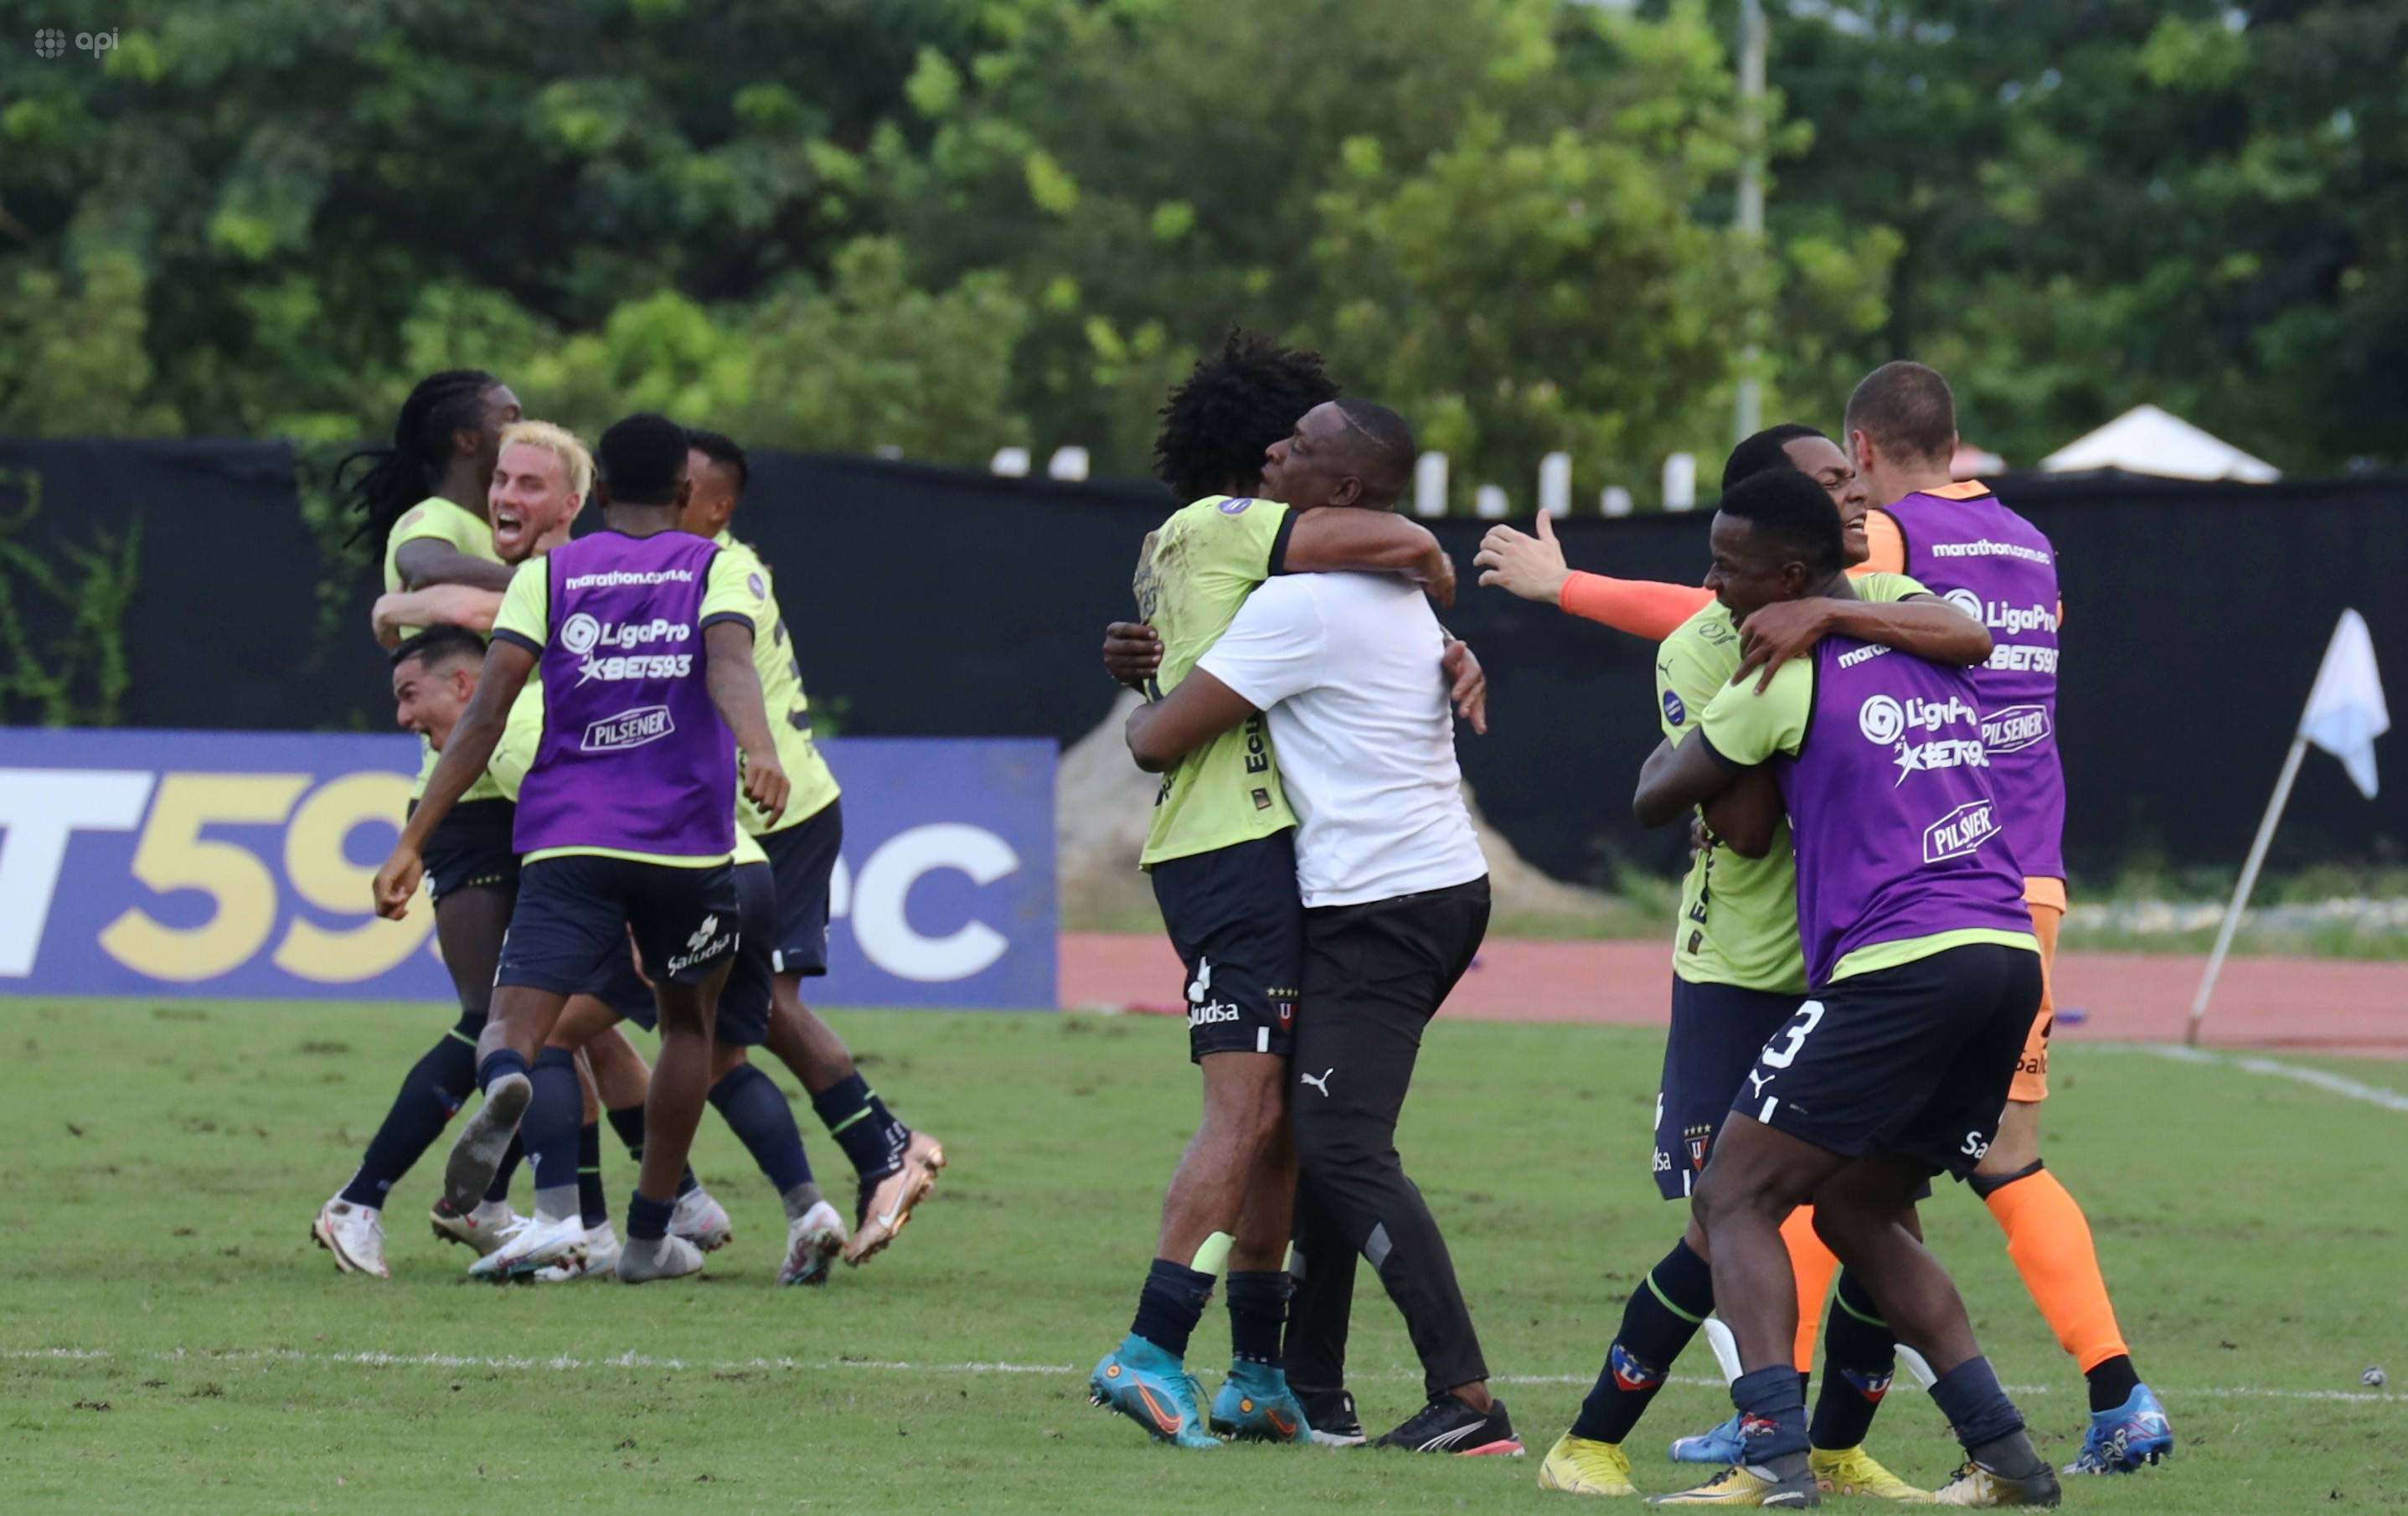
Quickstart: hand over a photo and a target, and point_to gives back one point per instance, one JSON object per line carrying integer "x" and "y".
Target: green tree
{"x": 2099, "y": 204}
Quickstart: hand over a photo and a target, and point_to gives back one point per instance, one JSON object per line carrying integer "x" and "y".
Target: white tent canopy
{"x": 2147, "y": 440}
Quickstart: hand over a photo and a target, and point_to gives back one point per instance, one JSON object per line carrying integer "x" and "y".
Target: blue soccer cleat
{"x": 1254, "y": 1405}
{"x": 1721, "y": 1445}
{"x": 1155, "y": 1390}
{"x": 2121, "y": 1440}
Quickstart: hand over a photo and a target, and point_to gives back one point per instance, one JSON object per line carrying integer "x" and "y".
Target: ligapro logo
{"x": 580, "y": 632}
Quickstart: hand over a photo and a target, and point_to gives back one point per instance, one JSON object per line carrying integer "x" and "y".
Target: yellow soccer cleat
{"x": 1748, "y": 1485}
{"x": 1978, "y": 1486}
{"x": 1854, "y": 1471}
{"x": 1577, "y": 1465}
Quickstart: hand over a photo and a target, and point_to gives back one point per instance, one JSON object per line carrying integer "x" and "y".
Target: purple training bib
{"x": 1972, "y": 551}
{"x": 634, "y": 756}
{"x": 1898, "y": 832}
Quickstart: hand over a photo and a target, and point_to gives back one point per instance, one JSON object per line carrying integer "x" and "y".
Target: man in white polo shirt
{"x": 1395, "y": 889}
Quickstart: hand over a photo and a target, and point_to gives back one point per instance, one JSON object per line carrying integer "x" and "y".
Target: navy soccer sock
{"x": 629, "y": 1125}
{"x": 593, "y": 1204}
{"x": 861, "y": 1127}
{"x": 1257, "y": 1316}
{"x": 754, "y": 1110}
{"x": 1860, "y": 1358}
{"x": 548, "y": 1129}
{"x": 1171, "y": 1304}
{"x": 1986, "y": 1421}
{"x": 1771, "y": 1419}
{"x": 1664, "y": 1314}
{"x": 498, "y": 1063}
{"x": 430, "y": 1094}
{"x": 648, "y": 1221}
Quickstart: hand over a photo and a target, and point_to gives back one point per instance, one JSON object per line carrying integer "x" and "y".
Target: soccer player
{"x": 1739, "y": 975}
{"x": 895, "y": 1168}
{"x": 1344, "y": 669}
{"x": 1964, "y": 542}
{"x": 1924, "y": 976}
{"x": 424, "y": 500}
{"x": 628, "y": 816}
{"x": 1221, "y": 853}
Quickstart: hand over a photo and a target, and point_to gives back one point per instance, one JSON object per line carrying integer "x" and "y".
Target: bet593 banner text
{"x": 237, "y": 865}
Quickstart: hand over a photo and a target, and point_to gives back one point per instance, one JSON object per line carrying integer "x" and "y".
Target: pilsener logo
{"x": 2016, "y": 728}
{"x": 1959, "y": 832}
{"x": 628, "y": 729}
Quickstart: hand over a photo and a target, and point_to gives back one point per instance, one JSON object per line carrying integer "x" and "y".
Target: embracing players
{"x": 1924, "y": 980}
{"x": 642, "y": 637}
{"x": 1221, "y": 853}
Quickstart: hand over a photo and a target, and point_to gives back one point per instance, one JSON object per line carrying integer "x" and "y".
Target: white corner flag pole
{"x": 2345, "y": 713}
{"x": 2248, "y": 883}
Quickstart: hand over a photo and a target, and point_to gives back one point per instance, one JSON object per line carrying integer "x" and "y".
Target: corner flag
{"x": 2345, "y": 712}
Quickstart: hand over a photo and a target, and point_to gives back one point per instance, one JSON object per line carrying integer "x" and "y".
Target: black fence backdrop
{"x": 938, "y": 602}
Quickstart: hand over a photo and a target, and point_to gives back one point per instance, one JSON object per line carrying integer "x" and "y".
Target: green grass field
{"x": 173, "y": 1342}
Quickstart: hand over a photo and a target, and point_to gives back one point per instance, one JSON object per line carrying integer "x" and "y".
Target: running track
{"x": 2300, "y": 1004}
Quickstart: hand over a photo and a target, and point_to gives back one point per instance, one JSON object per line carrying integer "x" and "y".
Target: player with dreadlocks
{"x": 1221, "y": 851}
{"x": 424, "y": 500}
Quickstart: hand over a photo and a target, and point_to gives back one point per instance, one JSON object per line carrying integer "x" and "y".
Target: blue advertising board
{"x": 237, "y": 865}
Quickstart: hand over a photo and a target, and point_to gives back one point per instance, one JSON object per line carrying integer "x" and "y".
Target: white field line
{"x": 2372, "y": 1094}
{"x": 564, "y": 1363}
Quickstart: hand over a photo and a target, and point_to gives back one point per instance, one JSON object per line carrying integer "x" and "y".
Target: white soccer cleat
{"x": 354, "y": 1235}
{"x": 813, "y": 1239}
{"x": 599, "y": 1261}
{"x": 487, "y": 1229}
{"x": 669, "y": 1258}
{"x": 543, "y": 1241}
{"x": 701, "y": 1221}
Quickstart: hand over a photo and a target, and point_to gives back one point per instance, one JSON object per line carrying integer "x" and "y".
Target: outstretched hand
{"x": 1519, "y": 563}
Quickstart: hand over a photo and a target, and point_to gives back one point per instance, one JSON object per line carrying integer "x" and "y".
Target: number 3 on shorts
{"x": 1795, "y": 1037}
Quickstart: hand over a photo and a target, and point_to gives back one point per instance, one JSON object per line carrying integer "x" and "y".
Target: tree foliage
{"x": 939, "y": 225}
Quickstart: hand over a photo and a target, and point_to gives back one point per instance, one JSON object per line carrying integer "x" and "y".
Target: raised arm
{"x": 1331, "y": 538}
{"x": 1924, "y": 625}
{"x": 1533, "y": 568}
{"x": 466, "y": 753}
{"x": 736, "y": 688}
{"x": 422, "y": 561}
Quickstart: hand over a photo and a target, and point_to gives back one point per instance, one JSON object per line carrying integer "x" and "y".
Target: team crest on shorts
{"x": 1696, "y": 1138}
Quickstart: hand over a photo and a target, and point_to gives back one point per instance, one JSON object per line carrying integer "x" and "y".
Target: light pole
{"x": 1749, "y": 417}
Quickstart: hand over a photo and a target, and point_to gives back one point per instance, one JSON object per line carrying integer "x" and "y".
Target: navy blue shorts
{"x": 1914, "y": 1061}
{"x": 621, "y": 986}
{"x": 472, "y": 848}
{"x": 1238, "y": 924}
{"x": 803, "y": 856}
{"x": 744, "y": 1000}
{"x": 1717, "y": 1031}
{"x": 574, "y": 913}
